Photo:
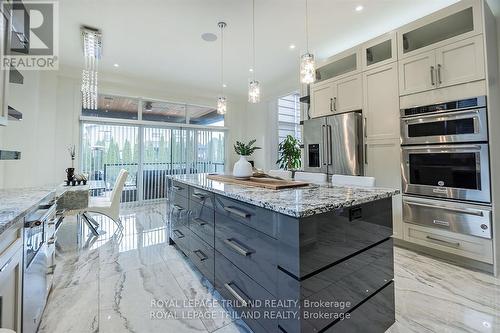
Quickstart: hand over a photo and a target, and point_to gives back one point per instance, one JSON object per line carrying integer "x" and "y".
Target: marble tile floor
{"x": 134, "y": 281}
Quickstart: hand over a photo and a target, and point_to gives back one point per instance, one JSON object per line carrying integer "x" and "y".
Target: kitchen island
{"x": 309, "y": 259}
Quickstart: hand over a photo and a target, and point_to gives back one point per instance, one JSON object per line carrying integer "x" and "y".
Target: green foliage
{"x": 289, "y": 154}
{"x": 127, "y": 152}
{"x": 245, "y": 149}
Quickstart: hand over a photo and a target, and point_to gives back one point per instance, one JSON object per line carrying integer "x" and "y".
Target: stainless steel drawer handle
{"x": 199, "y": 221}
{"x": 454, "y": 244}
{"x": 4, "y": 267}
{"x": 199, "y": 196}
{"x": 179, "y": 208}
{"x": 178, "y": 233}
{"x": 241, "y": 299}
{"x": 432, "y": 75}
{"x": 439, "y": 74}
{"x": 177, "y": 188}
{"x": 237, "y": 212}
{"x": 331, "y": 104}
{"x": 236, "y": 247}
{"x": 450, "y": 209}
{"x": 199, "y": 253}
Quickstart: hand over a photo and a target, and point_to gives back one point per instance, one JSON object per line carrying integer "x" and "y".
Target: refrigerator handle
{"x": 366, "y": 153}
{"x": 364, "y": 127}
{"x": 329, "y": 145}
{"x": 325, "y": 144}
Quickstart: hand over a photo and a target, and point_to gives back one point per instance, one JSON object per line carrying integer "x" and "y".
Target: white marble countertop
{"x": 15, "y": 203}
{"x": 295, "y": 202}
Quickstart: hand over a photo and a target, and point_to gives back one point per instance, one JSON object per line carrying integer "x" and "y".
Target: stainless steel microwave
{"x": 458, "y": 171}
{"x": 452, "y": 122}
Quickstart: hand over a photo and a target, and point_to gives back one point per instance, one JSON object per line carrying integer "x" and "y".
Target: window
{"x": 119, "y": 107}
{"x": 148, "y": 152}
{"x": 106, "y": 149}
{"x": 114, "y": 107}
{"x": 289, "y": 117}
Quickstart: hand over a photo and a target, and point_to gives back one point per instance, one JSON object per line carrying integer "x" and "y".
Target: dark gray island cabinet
{"x": 313, "y": 259}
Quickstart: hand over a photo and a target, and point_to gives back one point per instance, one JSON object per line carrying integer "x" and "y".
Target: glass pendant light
{"x": 221, "y": 100}
{"x": 307, "y": 64}
{"x": 254, "y": 85}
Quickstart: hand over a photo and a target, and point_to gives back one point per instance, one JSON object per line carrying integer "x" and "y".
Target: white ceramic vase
{"x": 242, "y": 168}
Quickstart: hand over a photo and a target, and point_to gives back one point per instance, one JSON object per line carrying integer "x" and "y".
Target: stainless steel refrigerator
{"x": 334, "y": 144}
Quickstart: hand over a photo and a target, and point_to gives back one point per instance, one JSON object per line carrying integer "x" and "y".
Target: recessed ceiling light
{"x": 292, "y": 46}
{"x": 224, "y": 85}
{"x": 116, "y": 65}
{"x": 359, "y": 8}
{"x": 209, "y": 37}
{"x": 250, "y": 69}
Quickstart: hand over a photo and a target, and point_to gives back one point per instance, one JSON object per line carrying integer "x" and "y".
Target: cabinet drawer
{"x": 181, "y": 235}
{"x": 179, "y": 188}
{"x": 177, "y": 199}
{"x": 9, "y": 237}
{"x": 375, "y": 315}
{"x": 350, "y": 281}
{"x": 248, "y": 249}
{"x": 202, "y": 222}
{"x": 255, "y": 217}
{"x": 202, "y": 257}
{"x": 236, "y": 286}
{"x": 463, "y": 245}
{"x": 201, "y": 197}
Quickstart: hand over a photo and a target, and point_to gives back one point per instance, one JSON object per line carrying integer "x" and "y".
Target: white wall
{"x": 34, "y": 136}
{"x": 262, "y": 120}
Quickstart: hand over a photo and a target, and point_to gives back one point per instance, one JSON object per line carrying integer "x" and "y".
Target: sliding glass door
{"x": 149, "y": 154}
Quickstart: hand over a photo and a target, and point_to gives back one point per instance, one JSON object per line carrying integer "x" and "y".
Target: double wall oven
{"x": 445, "y": 166}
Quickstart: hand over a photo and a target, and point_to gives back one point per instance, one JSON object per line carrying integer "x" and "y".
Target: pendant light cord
{"x": 253, "y": 37}
{"x": 222, "y": 57}
{"x": 307, "y": 27}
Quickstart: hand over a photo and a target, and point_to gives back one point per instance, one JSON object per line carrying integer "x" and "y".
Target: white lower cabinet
{"x": 476, "y": 248}
{"x": 11, "y": 277}
{"x": 382, "y": 161}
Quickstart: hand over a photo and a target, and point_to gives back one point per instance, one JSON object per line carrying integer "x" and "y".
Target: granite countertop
{"x": 17, "y": 202}
{"x": 296, "y": 202}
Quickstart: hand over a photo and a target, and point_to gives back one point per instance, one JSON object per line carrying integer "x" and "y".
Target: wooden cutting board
{"x": 270, "y": 183}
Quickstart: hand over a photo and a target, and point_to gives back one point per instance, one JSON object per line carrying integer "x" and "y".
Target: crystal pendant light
{"x": 221, "y": 105}
{"x": 92, "y": 50}
{"x": 221, "y": 100}
{"x": 254, "y": 91}
{"x": 307, "y": 64}
{"x": 254, "y": 85}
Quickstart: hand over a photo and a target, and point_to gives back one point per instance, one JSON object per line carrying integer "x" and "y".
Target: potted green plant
{"x": 243, "y": 168}
{"x": 289, "y": 154}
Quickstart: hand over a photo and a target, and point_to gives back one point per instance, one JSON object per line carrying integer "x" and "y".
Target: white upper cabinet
{"x": 460, "y": 62}
{"x": 322, "y": 99}
{"x": 379, "y": 51}
{"x": 339, "y": 66}
{"x": 452, "y": 64}
{"x": 381, "y": 103}
{"x": 417, "y": 73}
{"x": 349, "y": 94}
{"x": 459, "y": 21}
{"x": 339, "y": 96}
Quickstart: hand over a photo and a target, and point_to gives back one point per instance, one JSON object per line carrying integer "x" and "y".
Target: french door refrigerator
{"x": 334, "y": 144}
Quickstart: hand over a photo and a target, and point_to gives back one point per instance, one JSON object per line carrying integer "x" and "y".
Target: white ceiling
{"x": 160, "y": 40}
